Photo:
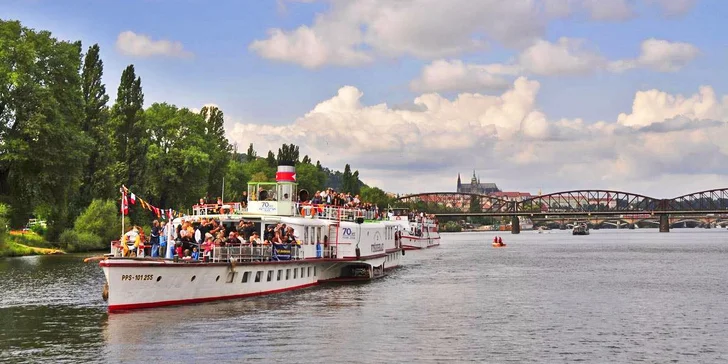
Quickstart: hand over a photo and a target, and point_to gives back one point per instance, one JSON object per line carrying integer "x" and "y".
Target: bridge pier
{"x": 664, "y": 223}
{"x": 515, "y": 225}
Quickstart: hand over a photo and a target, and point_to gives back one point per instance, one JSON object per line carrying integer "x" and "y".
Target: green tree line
{"x": 63, "y": 145}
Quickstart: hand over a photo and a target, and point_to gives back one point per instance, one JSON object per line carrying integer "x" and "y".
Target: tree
{"x": 251, "y": 152}
{"x": 42, "y": 146}
{"x": 306, "y": 160}
{"x": 355, "y": 183}
{"x": 218, "y": 147}
{"x": 376, "y": 196}
{"x": 271, "y": 159}
{"x": 97, "y": 181}
{"x": 346, "y": 183}
{"x": 309, "y": 178}
{"x": 177, "y": 155}
{"x": 288, "y": 155}
{"x": 236, "y": 180}
{"x": 131, "y": 134}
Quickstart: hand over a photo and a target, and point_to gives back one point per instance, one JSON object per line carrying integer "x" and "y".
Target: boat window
{"x": 231, "y": 277}
{"x": 280, "y": 272}
{"x": 295, "y": 273}
{"x": 319, "y": 234}
{"x": 305, "y": 234}
{"x": 288, "y": 274}
{"x": 302, "y": 272}
{"x": 314, "y": 270}
{"x": 258, "y": 275}
{"x": 246, "y": 277}
{"x": 270, "y": 275}
{"x": 308, "y": 272}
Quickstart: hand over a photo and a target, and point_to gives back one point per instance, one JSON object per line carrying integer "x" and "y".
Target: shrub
{"x": 101, "y": 218}
{"x": 68, "y": 238}
{"x": 39, "y": 229}
{"x": 74, "y": 241}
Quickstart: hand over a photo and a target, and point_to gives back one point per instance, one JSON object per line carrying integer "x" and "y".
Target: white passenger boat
{"x": 333, "y": 244}
{"x": 418, "y": 230}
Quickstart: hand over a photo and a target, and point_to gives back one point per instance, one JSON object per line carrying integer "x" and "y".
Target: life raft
{"x": 498, "y": 245}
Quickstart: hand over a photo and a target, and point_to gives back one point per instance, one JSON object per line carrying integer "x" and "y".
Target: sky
{"x": 549, "y": 95}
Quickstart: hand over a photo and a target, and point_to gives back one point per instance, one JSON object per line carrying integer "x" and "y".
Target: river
{"x": 615, "y": 296}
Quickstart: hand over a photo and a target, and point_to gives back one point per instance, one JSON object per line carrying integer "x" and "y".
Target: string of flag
{"x": 128, "y": 197}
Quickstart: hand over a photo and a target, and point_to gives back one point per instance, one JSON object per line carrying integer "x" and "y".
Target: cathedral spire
{"x": 459, "y": 182}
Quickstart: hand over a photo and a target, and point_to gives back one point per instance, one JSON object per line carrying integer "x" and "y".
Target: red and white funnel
{"x": 286, "y": 174}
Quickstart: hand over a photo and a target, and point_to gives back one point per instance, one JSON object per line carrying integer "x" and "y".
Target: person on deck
{"x": 129, "y": 239}
{"x": 154, "y": 238}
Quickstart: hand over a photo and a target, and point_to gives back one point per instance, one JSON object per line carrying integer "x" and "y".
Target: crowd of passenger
{"x": 195, "y": 239}
{"x": 330, "y": 197}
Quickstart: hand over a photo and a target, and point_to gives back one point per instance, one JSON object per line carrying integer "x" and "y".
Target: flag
{"x": 124, "y": 205}
{"x": 133, "y": 199}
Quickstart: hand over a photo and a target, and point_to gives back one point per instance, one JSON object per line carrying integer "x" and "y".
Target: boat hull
{"x": 144, "y": 283}
{"x": 416, "y": 243}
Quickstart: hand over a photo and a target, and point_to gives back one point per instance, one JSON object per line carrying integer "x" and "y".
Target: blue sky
{"x": 223, "y": 53}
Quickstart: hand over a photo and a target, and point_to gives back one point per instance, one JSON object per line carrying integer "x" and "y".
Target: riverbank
{"x": 18, "y": 244}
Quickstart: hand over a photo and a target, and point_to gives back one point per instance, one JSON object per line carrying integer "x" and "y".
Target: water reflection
{"x": 32, "y": 333}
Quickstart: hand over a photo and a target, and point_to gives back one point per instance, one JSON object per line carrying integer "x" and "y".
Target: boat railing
{"x": 248, "y": 253}
{"x": 330, "y": 212}
{"x": 214, "y": 209}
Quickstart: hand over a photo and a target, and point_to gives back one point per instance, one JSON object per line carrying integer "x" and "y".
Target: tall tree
{"x": 42, "y": 147}
{"x": 346, "y": 183}
{"x": 218, "y": 147}
{"x": 288, "y": 154}
{"x": 131, "y": 134}
{"x": 97, "y": 181}
{"x": 251, "y": 153}
{"x": 271, "y": 159}
{"x": 306, "y": 159}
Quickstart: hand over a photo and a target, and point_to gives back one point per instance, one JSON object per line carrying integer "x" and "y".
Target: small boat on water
{"x": 417, "y": 230}
{"x": 580, "y": 229}
{"x": 332, "y": 244}
{"x": 498, "y": 242}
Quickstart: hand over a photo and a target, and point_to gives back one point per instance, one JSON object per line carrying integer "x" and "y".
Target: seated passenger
{"x": 195, "y": 254}
{"x": 187, "y": 255}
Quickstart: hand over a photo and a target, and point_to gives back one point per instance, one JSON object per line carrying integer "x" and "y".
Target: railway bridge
{"x": 581, "y": 204}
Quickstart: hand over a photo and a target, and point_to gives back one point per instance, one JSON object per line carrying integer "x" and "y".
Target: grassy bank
{"x": 17, "y": 244}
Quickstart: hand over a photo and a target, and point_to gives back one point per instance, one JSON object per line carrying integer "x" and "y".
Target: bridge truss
{"x": 568, "y": 203}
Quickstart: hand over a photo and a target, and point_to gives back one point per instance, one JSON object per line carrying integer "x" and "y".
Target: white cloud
{"x": 565, "y": 57}
{"x": 139, "y": 45}
{"x": 349, "y": 33}
{"x": 354, "y": 32}
{"x": 510, "y": 141}
{"x": 660, "y": 55}
{"x": 654, "y": 106}
{"x": 442, "y": 75}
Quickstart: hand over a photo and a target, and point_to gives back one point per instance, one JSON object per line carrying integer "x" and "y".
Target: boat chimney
{"x": 286, "y": 174}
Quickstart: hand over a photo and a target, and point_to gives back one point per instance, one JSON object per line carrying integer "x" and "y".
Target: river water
{"x": 613, "y": 296}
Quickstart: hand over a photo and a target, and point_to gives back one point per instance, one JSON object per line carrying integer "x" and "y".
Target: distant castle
{"x": 476, "y": 187}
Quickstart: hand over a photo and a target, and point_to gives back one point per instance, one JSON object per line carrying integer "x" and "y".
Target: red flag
{"x": 124, "y": 205}
{"x": 133, "y": 199}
